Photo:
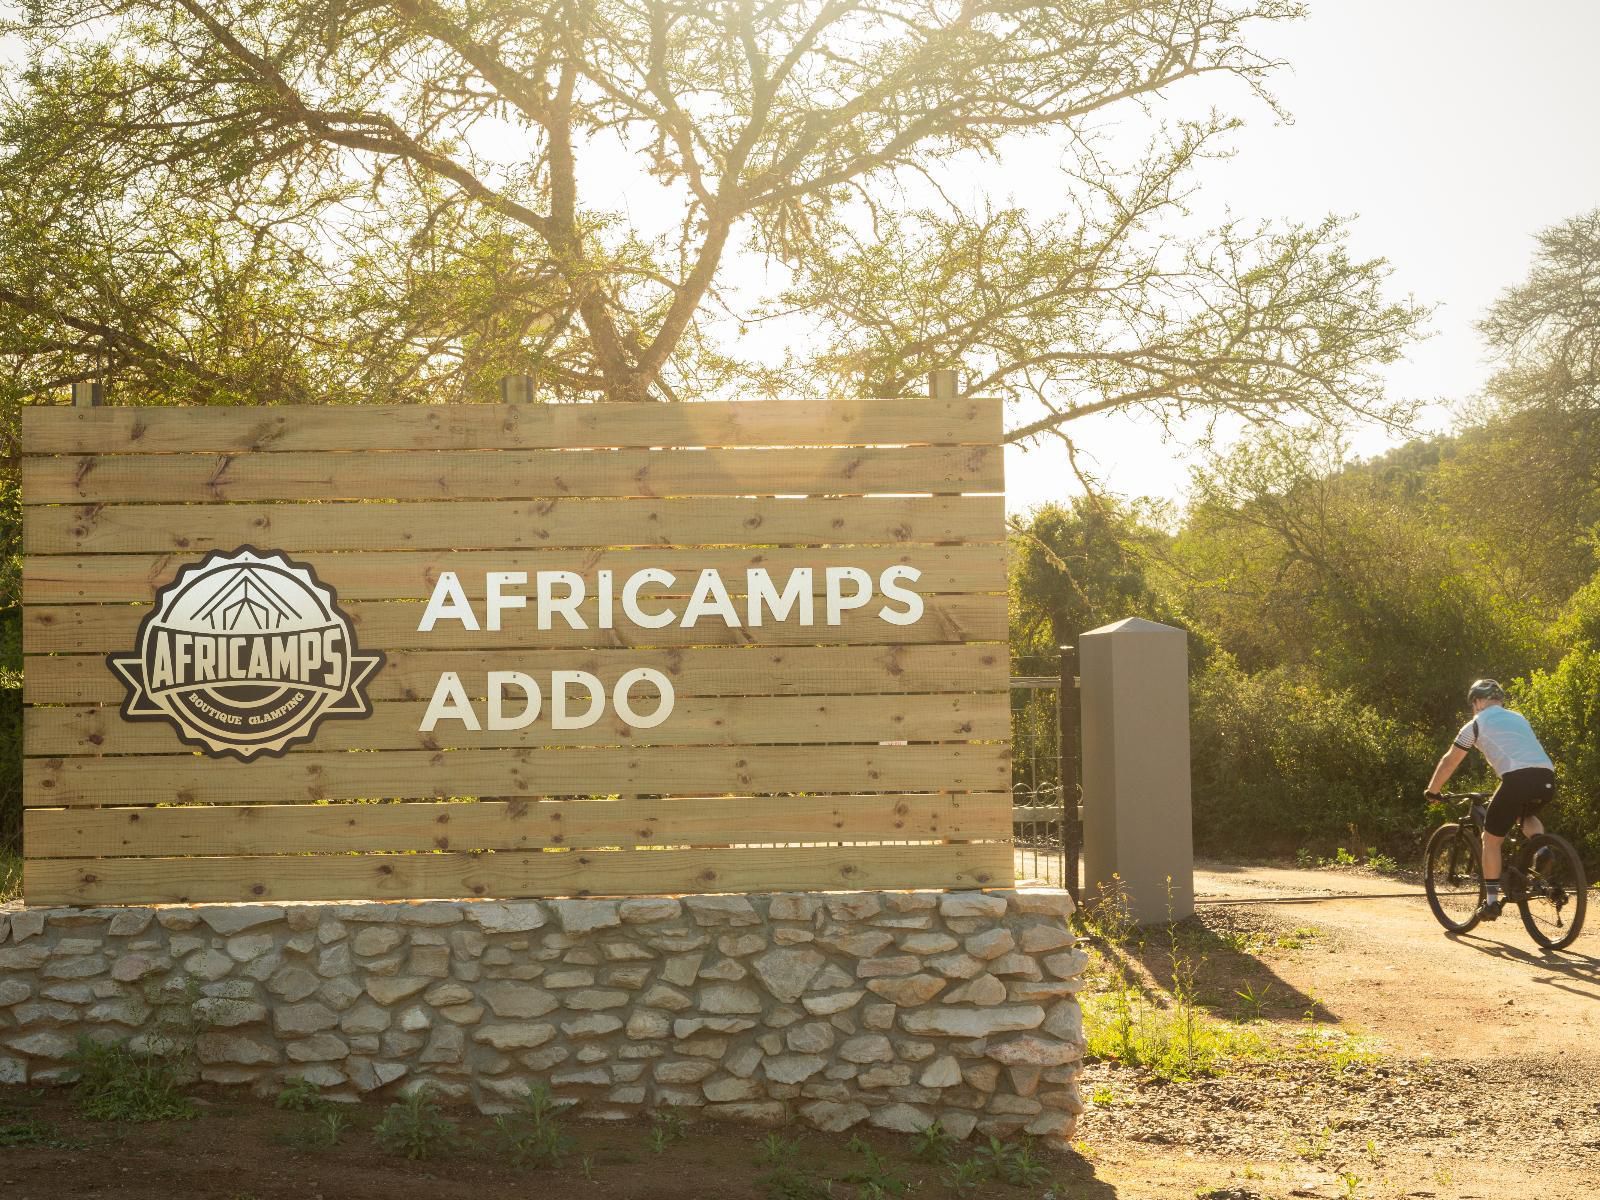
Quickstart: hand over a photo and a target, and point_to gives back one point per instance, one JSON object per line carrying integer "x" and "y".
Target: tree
{"x": 1528, "y": 485}
{"x": 1289, "y": 558}
{"x": 396, "y": 199}
{"x": 1075, "y": 567}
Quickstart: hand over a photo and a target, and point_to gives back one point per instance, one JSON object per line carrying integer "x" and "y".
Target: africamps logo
{"x": 245, "y": 654}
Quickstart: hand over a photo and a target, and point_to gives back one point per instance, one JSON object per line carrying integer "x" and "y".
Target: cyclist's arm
{"x": 1453, "y": 758}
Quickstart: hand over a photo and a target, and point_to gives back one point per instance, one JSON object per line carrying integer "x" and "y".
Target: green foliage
{"x": 1015, "y": 1163}
{"x": 963, "y": 1178}
{"x": 416, "y": 1128}
{"x": 788, "y": 1182}
{"x": 1563, "y": 705}
{"x": 777, "y": 1150}
{"x": 667, "y": 1127}
{"x": 118, "y": 1084}
{"x": 1280, "y": 762}
{"x": 532, "y": 1136}
{"x": 875, "y": 1178}
{"x": 300, "y": 1095}
{"x": 1075, "y": 567}
{"x": 322, "y": 1131}
{"x": 934, "y": 1145}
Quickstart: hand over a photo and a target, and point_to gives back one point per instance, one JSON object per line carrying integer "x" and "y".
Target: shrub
{"x": 416, "y": 1128}
{"x": 1281, "y": 763}
{"x": 117, "y": 1084}
{"x": 1563, "y": 706}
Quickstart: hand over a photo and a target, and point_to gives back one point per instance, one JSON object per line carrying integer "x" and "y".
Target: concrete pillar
{"x": 1137, "y": 822}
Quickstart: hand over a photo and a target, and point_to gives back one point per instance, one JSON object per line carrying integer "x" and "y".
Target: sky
{"x": 1452, "y": 130}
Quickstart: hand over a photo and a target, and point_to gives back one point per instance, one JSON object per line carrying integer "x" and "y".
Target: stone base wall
{"x": 891, "y": 1008}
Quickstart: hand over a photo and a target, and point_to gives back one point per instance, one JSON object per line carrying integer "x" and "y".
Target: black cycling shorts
{"x": 1521, "y": 794}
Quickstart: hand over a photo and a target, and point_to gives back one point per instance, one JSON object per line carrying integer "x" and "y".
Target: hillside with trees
{"x": 1338, "y": 609}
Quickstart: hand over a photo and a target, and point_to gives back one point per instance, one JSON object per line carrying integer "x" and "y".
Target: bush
{"x": 1563, "y": 706}
{"x": 1280, "y": 763}
{"x": 116, "y": 1084}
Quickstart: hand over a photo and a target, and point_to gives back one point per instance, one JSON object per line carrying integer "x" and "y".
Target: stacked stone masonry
{"x": 890, "y": 1008}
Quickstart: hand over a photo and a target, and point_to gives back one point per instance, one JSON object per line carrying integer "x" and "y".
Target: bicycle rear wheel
{"x": 1556, "y": 896}
{"x": 1452, "y": 877}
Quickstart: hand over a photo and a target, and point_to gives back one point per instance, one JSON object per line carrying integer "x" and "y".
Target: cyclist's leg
{"x": 1505, "y": 807}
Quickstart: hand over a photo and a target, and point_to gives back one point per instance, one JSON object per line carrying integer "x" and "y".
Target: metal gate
{"x": 1046, "y": 814}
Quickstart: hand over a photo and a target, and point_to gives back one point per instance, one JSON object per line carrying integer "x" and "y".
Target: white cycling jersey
{"x": 1506, "y": 739}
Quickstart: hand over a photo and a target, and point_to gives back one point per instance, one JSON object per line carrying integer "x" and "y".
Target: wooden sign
{"x": 513, "y": 650}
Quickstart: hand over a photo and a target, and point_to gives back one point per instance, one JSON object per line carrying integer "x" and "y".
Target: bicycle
{"x": 1542, "y": 876}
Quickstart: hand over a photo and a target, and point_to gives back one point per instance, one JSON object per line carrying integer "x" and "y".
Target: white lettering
{"x": 449, "y": 600}
{"x": 559, "y": 717}
{"x": 498, "y": 682}
{"x": 889, "y": 585}
{"x": 796, "y": 591}
{"x": 566, "y": 605}
{"x": 449, "y": 702}
{"x": 499, "y": 599}
{"x": 838, "y": 602}
{"x": 630, "y": 598}
{"x": 621, "y": 701}
{"x": 710, "y": 598}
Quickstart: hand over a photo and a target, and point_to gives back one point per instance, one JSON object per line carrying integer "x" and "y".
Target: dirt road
{"x": 1485, "y": 1075}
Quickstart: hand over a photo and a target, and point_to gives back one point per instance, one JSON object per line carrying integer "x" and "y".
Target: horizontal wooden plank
{"x": 518, "y": 874}
{"x": 508, "y": 474}
{"x": 392, "y": 625}
{"x": 695, "y": 721}
{"x": 515, "y": 825}
{"x": 407, "y": 774}
{"x": 406, "y": 574}
{"x": 483, "y": 525}
{"x": 62, "y": 430}
{"x": 709, "y": 671}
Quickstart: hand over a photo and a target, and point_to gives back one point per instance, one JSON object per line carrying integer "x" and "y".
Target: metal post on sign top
{"x": 516, "y": 389}
{"x": 944, "y": 384}
{"x": 1068, "y": 734}
{"x": 88, "y": 393}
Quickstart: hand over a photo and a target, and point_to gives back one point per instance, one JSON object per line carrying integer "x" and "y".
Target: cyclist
{"x": 1527, "y": 778}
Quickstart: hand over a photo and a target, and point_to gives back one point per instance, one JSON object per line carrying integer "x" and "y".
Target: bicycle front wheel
{"x": 1556, "y": 896}
{"x": 1452, "y": 878}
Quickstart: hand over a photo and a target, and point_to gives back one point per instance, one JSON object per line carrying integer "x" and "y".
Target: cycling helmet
{"x": 1485, "y": 689}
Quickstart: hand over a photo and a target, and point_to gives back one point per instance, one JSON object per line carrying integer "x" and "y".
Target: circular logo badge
{"x": 245, "y": 654}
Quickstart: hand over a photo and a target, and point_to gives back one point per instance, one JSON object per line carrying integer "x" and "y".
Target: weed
{"x": 963, "y": 1178}
{"x": 789, "y": 1183}
{"x": 1017, "y": 1165}
{"x": 10, "y": 877}
{"x": 324, "y": 1130}
{"x": 875, "y": 1178}
{"x": 586, "y": 1165}
{"x": 668, "y": 1126}
{"x": 27, "y": 1131}
{"x": 116, "y": 1084}
{"x": 778, "y": 1151}
{"x": 416, "y": 1128}
{"x": 1316, "y": 1148}
{"x": 1103, "y": 1095}
{"x": 934, "y": 1145}
{"x": 300, "y": 1095}
{"x": 1350, "y": 1181}
{"x": 1384, "y": 864}
{"x": 1374, "y": 1156}
{"x": 532, "y": 1135}
{"x": 1304, "y": 858}
{"x": 1173, "y": 1042}
{"x": 1255, "y": 1002}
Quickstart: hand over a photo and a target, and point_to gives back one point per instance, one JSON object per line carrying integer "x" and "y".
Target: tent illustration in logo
{"x": 245, "y": 654}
